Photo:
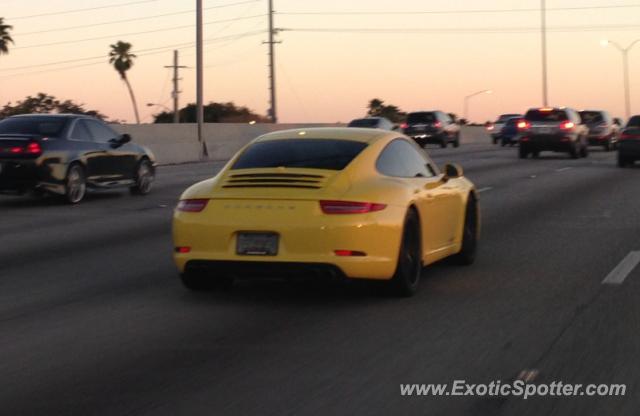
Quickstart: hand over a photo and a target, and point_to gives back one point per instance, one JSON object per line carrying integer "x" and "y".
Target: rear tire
{"x": 573, "y": 152}
{"x": 75, "y": 184}
{"x": 467, "y": 254}
{"x": 623, "y": 162}
{"x": 523, "y": 152}
{"x": 456, "y": 142}
{"x": 584, "y": 152}
{"x": 406, "y": 279}
{"x": 443, "y": 142}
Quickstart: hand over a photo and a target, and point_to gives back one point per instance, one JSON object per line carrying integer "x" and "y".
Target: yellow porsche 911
{"x": 342, "y": 202}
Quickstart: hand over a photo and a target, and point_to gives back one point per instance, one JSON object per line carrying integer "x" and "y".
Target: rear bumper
{"x": 629, "y": 148}
{"x": 264, "y": 270}
{"x": 556, "y": 143}
{"x": 598, "y": 140}
{"x": 428, "y": 138}
{"x": 18, "y": 175}
{"x": 306, "y": 236}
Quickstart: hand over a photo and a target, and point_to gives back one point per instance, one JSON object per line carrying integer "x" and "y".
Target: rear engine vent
{"x": 275, "y": 180}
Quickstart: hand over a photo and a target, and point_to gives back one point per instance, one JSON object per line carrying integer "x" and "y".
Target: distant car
{"x": 495, "y": 128}
{"x": 325, "y": 202}
{"x": 509, "y": 132}
{"x": 432, "y": 127}
{"x": 603, "y": 130}
{"x": 65, "y": 154}
{"x": 382, "y": 123}
{"x": 629, "y": 145}
{"x": 554, "y": 129}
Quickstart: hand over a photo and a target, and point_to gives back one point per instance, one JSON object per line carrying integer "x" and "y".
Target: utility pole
{"x": 625, "y": 68}
{"x": 199, "y": 80}
{"x": 272, "y": 74}
{"x": 176, "y": 87}
{"x": 543, "y": 27}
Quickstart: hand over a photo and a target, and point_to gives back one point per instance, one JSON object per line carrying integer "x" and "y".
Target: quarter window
{"x": 100, "y": 132}
{"x": 401, "y": 159}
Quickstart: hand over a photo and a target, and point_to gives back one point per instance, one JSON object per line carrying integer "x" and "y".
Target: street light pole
{"x": 543, "y": 27}
{"x": 625, "y": 69}
{"x": 199, "y": 80}
{"x": 466, "y": 102}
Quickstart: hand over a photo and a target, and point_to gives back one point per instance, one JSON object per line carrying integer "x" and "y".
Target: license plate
{"x": 257, "y": 244}
{"x": 546, "y": 130}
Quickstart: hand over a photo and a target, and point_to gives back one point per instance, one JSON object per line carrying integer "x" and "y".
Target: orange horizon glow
{"x": 326, "y": 76}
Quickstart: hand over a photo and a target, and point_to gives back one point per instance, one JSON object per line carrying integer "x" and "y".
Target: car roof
{"x": 332, "y": 133}
{"x": 56, "y": 115}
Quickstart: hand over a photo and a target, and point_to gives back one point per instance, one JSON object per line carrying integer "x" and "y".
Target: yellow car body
{"x": 285, "y": 202}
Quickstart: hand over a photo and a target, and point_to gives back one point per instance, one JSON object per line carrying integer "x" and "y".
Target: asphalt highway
{"x": 94, "y": 321}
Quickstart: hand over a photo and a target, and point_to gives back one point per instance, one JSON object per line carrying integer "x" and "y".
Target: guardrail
{"x": 177, "y": 143}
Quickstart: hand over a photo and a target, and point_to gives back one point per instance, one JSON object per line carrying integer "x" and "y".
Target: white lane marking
{"x": 623, "y": 269}
{"x": 533, "y": 176}
{"x": 485, "y": 189}
{"x": 563, "y": 169}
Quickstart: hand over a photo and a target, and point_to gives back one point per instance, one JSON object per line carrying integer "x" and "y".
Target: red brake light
{"x": 192, "y": 205}
{"x": 34, "y": 148}
{"x": 567, "y": 125}
{"x": 437, "y": 124}
{"x": 348, "y": 207}
{"x": 523, "y": 125}
{"x": 404, "y": 125}
{"x": 349, "y": 253}
{"x": 627, "y": 136}
{"x": 15, "y": 150}
{"x": 183, "y": 250}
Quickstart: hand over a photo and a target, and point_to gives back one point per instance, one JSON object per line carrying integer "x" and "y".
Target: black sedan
{"x": 629, "y": 144}
{"x": 66, "y": 154}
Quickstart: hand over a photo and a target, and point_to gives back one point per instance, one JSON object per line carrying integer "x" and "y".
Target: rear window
{"x": 591, "y": 117}
{"x": 506, "y": 117}
{"x": 300, "y": 153}
{"x": 364, "y": 122}
{"x": 634, "y": 121}
{"x": 551, "y": 115}
{"x": 42, "y": 126}
{"x": 417, "y": 118}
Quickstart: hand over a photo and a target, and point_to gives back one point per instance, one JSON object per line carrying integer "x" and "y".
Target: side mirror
{"x": 119, "y": 141}
{"x": 452, "y": 171}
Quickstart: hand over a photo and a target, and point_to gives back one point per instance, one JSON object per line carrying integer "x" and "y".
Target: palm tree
{"x": 5, "y": 37}
{"x": 122, "y": 59}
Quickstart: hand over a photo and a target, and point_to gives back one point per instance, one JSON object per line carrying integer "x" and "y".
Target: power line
{"x": 135, "y": 19}
{"x": 111, "y": 6}
{"x": 140, "y": 52}
{"x": 476, "y": 11}
{"x": 460, "y": 30}
{"x": 165, "y": 29}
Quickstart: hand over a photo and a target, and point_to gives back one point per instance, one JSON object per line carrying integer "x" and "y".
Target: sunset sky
{"x": 422, "y": 61}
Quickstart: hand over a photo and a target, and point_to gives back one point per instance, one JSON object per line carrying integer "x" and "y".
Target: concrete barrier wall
{"x": 177, "y": 143}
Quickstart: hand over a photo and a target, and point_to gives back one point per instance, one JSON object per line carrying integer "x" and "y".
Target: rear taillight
{"x": 567, "y": 125}
{"x": 32, "y": 148}
{"x": 437, "y": 124}
{"x": 523, "y": 125}
{"x": 192, "y": 205}
{"x": 491, "y": 127}
{"x": 404, "y": 126}
{"x": 627, "y": 136}
{"x": 348, "y": 207}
